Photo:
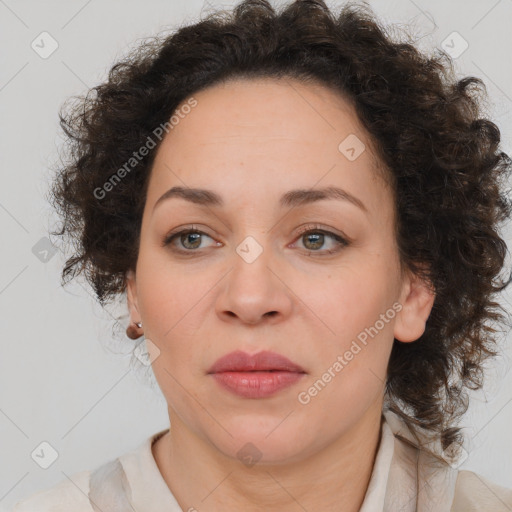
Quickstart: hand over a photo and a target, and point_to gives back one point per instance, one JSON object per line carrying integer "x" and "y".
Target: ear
{"x": 417, "y": 298}
{"x": 132, "y": 331}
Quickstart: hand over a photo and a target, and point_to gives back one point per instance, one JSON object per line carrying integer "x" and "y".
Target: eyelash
{"x": 306, "y": 230}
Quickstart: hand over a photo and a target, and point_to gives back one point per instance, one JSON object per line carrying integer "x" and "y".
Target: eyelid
{"x": 324, "y": 229}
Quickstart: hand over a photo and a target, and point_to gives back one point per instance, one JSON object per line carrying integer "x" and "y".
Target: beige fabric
{"x": 404, "y": 479}
{"x": 491, "y": 497}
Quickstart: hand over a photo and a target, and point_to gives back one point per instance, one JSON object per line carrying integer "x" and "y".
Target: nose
{"x": 255, "y": 291}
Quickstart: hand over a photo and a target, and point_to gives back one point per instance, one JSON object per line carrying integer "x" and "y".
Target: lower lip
{"x": 256, "y": 384}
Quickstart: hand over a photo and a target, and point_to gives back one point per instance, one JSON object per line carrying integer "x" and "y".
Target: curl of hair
{"x": 441, "y": 157}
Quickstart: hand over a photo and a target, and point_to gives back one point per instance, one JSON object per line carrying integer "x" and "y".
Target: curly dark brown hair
{"x": 442, "y": 159}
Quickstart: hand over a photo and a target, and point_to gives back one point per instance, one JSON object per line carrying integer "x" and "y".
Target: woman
{"x": 304, "y": 216}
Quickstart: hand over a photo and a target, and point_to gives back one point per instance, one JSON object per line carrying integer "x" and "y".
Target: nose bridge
{"x": 252, "y": 288}
{"x": 252, "y": 262}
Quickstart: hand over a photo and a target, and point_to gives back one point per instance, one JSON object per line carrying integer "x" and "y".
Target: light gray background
{"x": 61, "y": 381}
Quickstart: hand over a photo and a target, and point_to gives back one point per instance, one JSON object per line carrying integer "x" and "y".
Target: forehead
{"x": 267, "y": 108}
{"x": 264, "y": 134}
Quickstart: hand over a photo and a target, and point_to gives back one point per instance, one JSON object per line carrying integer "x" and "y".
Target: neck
{"x": 202, "y": 478}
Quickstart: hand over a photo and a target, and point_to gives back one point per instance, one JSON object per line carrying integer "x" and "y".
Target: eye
{"x": 314, "y": 238}
{"x": 189, "y": 239}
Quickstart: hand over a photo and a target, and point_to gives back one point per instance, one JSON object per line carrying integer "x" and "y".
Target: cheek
{"x": 166, "y": 301}
{"x": 354, "y": 298}
{"x": 353, "y": 361}
{"x": 357, "y": 306}
{"x": 166, "y": 291}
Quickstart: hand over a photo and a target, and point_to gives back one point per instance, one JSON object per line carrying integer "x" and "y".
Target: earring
{"x": 132, "y": 332}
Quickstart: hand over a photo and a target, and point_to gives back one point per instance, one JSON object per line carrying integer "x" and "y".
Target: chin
{"x": 264, "y": 442}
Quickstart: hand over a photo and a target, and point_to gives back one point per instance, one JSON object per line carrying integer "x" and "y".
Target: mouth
{"x": 259, "y": 376}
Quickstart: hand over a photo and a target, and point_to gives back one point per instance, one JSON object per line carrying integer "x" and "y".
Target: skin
{"x": 252, "y": 141}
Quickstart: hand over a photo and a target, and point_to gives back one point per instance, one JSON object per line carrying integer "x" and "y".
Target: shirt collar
{"x": 376, "y": 491}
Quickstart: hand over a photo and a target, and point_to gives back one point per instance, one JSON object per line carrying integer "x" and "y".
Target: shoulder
{"x": 109, "y": 486}
{"x": 425, "y": 471}
{"x": 474, "y": 493}
{"x": 69, "y": 494}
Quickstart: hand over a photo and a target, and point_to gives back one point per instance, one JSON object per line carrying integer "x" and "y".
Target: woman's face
{"x": 330, "y": 300}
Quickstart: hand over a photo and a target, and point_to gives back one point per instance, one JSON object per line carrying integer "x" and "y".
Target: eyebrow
{"x": 292, "y": 198}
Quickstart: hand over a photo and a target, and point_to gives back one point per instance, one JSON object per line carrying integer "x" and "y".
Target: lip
{"x": 239, "y": 361}
{"x": 255, "y": 376}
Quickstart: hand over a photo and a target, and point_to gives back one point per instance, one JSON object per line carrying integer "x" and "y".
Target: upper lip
{"x": 239, "y": 361}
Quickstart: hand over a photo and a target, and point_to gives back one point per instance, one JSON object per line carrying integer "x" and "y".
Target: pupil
{"x": 188, "y": 235}
{"x": 319, "y": 240}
